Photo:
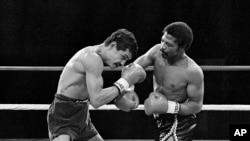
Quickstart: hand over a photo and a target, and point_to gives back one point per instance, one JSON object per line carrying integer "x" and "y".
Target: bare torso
{"x": 172, "y": 80}
{"x": 72, "y": 82}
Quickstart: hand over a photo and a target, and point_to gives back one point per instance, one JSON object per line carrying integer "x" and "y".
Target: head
{"x": 177, "y": 38}
{"x": 122, "y": 46}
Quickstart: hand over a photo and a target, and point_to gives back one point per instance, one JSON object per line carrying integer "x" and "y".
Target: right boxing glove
{"x": 158, "y": 103}
{"x": 127, "y": 101}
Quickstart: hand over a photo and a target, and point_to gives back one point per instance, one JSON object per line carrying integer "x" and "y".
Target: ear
{"x": 183, "y": 47}
{"x": 113, "y": 44}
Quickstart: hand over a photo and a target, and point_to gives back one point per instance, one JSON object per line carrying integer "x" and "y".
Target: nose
{"x": 164, "y": 46}
{"x": 123, "y": 63}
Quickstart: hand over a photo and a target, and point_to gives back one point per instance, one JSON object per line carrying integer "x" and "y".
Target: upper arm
{"x": 147, "y": 59}
{"x": 94, "y": 67}
{"x": 195, "y": 88}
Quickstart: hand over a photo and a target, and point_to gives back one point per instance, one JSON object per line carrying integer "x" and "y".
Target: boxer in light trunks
{"x": 81, "y": 84}
{"x": 178, "y": 84}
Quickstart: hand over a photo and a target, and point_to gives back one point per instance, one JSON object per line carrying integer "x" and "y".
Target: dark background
{"x": 49, "y": 32}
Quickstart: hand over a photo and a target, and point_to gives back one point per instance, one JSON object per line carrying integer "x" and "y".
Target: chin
{"x": 112, "y": 66}
{"x": 164, "y": 56}
{"x": 108, "y": 65}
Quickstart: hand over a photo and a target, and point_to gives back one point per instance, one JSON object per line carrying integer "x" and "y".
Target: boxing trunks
{"x": 180, "y": 127}
{"x": 70, "y": 116}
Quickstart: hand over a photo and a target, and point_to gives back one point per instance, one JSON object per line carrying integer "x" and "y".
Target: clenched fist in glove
{"x": 158, "y": 103}
{"x": 127, "y": 101}
{"x": 131, "y": 74}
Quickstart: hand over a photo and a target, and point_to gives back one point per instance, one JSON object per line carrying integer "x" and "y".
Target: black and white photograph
{"x": 124, "y": 70}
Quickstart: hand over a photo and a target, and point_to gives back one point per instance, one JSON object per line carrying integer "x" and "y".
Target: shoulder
{"x": 194, "y": 70}
{"x": 154, "y": 51}
{"x": 91, "y": 61}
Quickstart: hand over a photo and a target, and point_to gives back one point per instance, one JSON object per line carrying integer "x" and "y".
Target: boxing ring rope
{"x": 208, "y": 107}
{"x": 150, "y": 68}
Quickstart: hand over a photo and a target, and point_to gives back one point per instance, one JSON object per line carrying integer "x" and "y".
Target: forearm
{"x": 143, "y": 61}
{"x": 105, "y": 96}
{"x": 189, "y": 108}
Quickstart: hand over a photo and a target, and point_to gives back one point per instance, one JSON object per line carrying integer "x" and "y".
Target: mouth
{"x": 113, "y": 66}
{"x": 164, "y": 54}
{"x": 117, "y": 64}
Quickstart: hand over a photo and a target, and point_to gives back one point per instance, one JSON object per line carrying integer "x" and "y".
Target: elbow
{"x": 95, "y": 103}
{"x": 195, "y": 109}
{"x": 96, "y": 106}
{"x": 199, "y": 108}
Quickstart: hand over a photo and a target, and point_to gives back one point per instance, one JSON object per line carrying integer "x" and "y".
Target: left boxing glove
{"x": 127, "y": 101}
{"x": 134, "y": 73}
{"x": 131, "y": 74}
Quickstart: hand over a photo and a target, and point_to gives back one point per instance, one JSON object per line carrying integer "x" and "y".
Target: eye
{"x": 122, "y": 57}
{"x": 170, "y": 45}
{"x": 165, "y": 43}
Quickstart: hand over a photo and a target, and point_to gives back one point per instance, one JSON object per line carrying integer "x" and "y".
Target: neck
{"x": 99, "y": 49}
{"x": 178, "y": 60}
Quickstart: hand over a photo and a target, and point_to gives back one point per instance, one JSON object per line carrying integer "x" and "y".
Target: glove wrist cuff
{"x": 173, "y": 107}
{"x": 122, "y": 84}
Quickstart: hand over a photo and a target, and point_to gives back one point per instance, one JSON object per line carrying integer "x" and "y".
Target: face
{"x": 169, "y": 48}
{"x": 117, "y": 58}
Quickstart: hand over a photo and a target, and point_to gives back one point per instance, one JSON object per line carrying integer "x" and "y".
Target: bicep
{"x": 146, "y": 59}
{"x": 195, "y": 89}
{"x": 94, "y": 68}
{"x": 94, "y": 83}
{"x": 143, "y": 61}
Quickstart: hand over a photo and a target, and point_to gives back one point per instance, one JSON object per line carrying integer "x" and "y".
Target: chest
{"x": 171, "y": 77}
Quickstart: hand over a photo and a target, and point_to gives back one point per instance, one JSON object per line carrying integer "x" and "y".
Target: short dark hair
{"x": 124, "y": 39}
{"x": 182, "y": 32}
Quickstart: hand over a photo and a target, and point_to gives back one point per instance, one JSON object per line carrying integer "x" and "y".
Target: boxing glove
{"x": 131, "y": 74}
{"x": 127, "y": 101}
{"x": 158, "y": 103}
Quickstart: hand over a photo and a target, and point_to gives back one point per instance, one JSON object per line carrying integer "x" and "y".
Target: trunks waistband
{"x": 65, "y": 98}
{"x": 171, "y": 116}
